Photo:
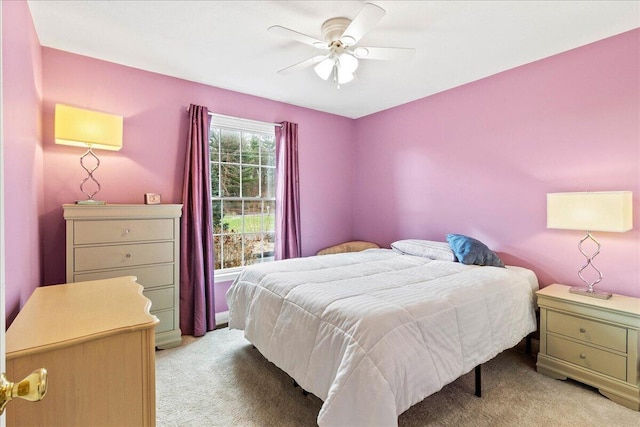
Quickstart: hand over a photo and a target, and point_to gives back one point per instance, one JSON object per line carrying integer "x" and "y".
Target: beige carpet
{"x": 220, "y": 380}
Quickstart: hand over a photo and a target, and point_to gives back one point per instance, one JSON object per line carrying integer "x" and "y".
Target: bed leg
{"x": 527, "y": 348}
{"x": 304, "y": 392}
{"x": 478, "y": 381}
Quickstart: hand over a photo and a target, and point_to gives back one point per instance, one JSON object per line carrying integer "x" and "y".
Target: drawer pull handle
{"x": 583, "y": 356}
{"x": 127, "y": 231}
{"x": 127, "y": 256}
{"x": 583, "y": 330}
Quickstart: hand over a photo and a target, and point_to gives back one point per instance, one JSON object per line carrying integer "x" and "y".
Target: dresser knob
{"x": 583, "y": 330}
{"x": 127, "y": 231}
{"x": 583, "y": 356}
{"x": 127, "y": 256}
{"x": 31, "y": 388}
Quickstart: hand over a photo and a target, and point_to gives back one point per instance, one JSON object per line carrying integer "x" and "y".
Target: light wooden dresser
{"x": 96, "y": 340}
{"x": 130, "y": 240}
{"x": 591, "y": 340}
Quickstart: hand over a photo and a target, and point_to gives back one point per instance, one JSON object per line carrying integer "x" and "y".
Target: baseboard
{"x": 222, "y": 319}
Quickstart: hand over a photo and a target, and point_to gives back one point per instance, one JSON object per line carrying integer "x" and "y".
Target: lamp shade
{"x": 591, "y": 211}
{"x": 86, "y": 128}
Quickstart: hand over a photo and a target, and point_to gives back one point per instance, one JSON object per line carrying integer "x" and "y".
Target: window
{"x": 243, "y": 191}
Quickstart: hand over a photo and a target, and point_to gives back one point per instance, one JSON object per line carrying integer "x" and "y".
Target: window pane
{"x": 253, "y": 249}
{"x": 268, "y": 148}
{"x": 217, "y": 249}
{"x": 268, "y": 183}
{"x": 229, "y": 146}
{"x": 230, "y": 180}
{"x": 216, "y": 209}
{"x": 252, "y": 217}
{"x": 215, "y": 179}
{"x": 232, "y": 250}
{"x": 232, "y": 217}
{"x": 269, "y": 243}
{"x": 250, "y": 148}
{"x": 250, "y": 181}
{"x": 269, "y": 216}
{"x": 214, "y": 144}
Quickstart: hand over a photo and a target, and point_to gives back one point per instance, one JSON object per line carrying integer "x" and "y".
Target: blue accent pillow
{"x": 471, "y": 251}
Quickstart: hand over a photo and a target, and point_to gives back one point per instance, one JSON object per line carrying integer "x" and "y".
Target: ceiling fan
{"x": 340, "y": 59}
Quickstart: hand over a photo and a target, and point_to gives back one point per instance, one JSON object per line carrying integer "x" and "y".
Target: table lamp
{"x": 90, "y": 129}
{"x": 590, "y": 211}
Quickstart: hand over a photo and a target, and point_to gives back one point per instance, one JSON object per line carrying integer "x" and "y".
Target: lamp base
{"x": 91, "y": 202}
{"x": 585, "y": 291}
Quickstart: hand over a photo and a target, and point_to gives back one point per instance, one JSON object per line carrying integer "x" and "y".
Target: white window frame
{"x": 236, "y": 123}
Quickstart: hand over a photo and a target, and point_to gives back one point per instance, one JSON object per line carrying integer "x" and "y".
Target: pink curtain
{"x": 287, "y": 243}
{"x": 197, "y": 314}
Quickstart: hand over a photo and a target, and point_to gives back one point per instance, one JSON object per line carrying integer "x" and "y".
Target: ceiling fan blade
{"x": 384, "y": 53}
{"x": 304, "y": 64}
{"x": 364, "y": 21}
{"x": 294, "y": 35}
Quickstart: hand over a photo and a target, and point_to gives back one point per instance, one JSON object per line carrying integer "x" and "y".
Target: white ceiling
{"x": 226, "y": 44}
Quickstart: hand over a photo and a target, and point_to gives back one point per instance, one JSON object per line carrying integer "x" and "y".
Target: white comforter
{"x": 374, "y": 332}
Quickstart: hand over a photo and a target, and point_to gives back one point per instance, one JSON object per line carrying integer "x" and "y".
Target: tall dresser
{"x": 116, "y": 240}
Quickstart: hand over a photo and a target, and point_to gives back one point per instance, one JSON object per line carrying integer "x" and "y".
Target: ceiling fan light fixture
{"x": 324, "y": 68}
{"x": 347, "y": 63}
{"x": 344, "y": 77}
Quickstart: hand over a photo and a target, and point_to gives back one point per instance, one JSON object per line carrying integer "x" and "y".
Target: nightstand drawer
{"x": 589, "y": 331}
{"x": 120, "y": 231}
{"x": 148, "y": 277}
{"x": 591, "y": 358}
{"x": 103, "y": 257}
{"x": 161, "y": 299}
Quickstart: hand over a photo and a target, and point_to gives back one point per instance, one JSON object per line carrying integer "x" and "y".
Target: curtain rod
{"x": 248, "y": 120}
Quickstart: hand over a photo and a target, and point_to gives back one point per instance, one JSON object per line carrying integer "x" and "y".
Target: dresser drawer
{"x": 103, "y": 257}
{"x": 149, "y": 276}
{"x": 161, "y": 299}
{"x": 588, "y": 357}
{"x": 120, "y": 231}
{"x": 166, "y": 321}
{"x": 589, "y": 331}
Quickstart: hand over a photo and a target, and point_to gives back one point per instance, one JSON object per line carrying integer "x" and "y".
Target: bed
{"x": 372, "y": 333}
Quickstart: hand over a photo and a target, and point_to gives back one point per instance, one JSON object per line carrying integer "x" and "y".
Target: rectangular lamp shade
{"x": 86, "y": 128}
{"x": 592, "y": 211}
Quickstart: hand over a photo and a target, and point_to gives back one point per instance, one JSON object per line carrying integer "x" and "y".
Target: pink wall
{"x": 21, "y": 114}
{"x": 479, "y": 160}
{"x": 151, "y": 160}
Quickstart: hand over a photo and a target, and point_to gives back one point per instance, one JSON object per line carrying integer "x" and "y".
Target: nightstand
{"x": 592, "y": 341}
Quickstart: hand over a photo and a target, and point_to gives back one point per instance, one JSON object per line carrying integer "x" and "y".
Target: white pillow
{"x": 425, "y": 248}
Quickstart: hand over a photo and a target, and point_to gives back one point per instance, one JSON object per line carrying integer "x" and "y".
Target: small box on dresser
{"x": 591, "y": 340}
{"x": 116, "y": 240}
